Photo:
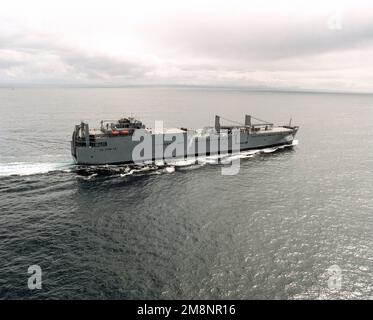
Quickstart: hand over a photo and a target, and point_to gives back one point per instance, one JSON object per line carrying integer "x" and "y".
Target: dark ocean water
{"x": 270, "y": 232}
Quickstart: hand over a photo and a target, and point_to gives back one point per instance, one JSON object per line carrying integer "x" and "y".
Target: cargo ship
{"x": 127, "y": 140}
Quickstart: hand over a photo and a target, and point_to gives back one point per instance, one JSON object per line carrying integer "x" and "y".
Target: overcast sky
{"x": 318, "y": 45}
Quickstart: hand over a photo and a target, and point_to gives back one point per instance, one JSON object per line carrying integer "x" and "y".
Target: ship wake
{"x": 159, "y": 167}
{"x": 27, "y": 168}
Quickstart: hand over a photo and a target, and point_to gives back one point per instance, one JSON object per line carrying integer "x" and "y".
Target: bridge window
{"x": 98, "y": 144}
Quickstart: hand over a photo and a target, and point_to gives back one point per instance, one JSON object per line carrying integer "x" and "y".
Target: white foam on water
{"x": 26, "y": 168}
{"x": 249, "y": 153}
{"x": 130, "y": 173}
{"x": 192, "y": 167}
{"x": 239, "y": 155}
{"x": 88, "y": 177}
{"x": 182, "y": 163}
{"x": 140, "y": 170}
{"x": 269, "y": 150}
{"x": 213, "y": 159}
{"x": 170, "y": 169}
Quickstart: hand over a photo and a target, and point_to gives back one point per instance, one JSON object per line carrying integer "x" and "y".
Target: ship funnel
{"x": 217, "y": 124}
{"x": 247, "y": 120}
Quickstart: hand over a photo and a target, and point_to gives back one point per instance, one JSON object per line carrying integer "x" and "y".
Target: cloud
{"x": 318, "y": 45}
{"x": 44, "y": 58}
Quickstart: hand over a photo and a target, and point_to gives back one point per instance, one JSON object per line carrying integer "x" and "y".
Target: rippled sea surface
{"x": 186, "y": 231}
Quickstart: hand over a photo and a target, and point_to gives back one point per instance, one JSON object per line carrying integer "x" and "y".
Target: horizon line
{"x": 189, "y": 86}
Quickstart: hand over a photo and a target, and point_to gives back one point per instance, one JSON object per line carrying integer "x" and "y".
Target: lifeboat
{"x": 120, "y": 132}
